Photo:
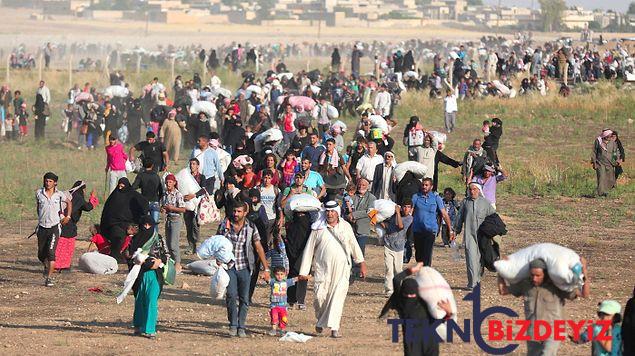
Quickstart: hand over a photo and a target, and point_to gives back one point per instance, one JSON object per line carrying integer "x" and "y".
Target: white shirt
{"x": 382, "y": 102}
{"x": 46, "y": 94}
{"x": 450, "y": 103}
{"x": 49, "y": 209}
{"x": 366, "y": 166}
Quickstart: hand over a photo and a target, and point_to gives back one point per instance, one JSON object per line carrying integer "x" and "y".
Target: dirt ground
{"x": 69, "y": 319}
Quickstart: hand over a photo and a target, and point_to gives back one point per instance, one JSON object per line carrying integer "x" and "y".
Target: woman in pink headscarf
{"x": 171, "y": 134}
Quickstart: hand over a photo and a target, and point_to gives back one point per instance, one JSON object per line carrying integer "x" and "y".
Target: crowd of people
{"x": 252, "y": 151}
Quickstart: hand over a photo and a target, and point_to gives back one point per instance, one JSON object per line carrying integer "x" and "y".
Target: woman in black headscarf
{"x": 124, "y": 206}
{"x": 149, "y": 283}
{"x": 298, "y": 231}
{"x": 406, "y": 301}
{"x": 66, "y": 244}
{"x": 39, "y": 115}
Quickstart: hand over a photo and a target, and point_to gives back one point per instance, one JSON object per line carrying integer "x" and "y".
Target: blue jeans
{"x": 155, "y": 213}
{"x": 238, "y": 292}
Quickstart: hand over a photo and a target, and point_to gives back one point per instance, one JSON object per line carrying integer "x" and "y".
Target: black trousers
{"x": 116, "y": 234}
{"x": 47, "y": 238}
{"x": 297, "y": 292}
{"x": 424, "y": 242}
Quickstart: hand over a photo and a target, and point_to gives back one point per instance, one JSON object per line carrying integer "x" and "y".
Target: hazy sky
{"x": 619, "y": 5}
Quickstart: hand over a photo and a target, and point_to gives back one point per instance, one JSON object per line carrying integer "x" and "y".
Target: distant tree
{"x": 475, "y": 2}
{"x": 631, "y": 8}
{"x": 552, "y": 14}
{"x": 423, "y": 2}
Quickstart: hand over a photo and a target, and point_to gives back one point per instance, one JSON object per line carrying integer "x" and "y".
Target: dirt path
{"x": 68, "y": 319}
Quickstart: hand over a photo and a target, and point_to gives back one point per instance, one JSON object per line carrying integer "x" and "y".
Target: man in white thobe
{"x": 328, "y": 251}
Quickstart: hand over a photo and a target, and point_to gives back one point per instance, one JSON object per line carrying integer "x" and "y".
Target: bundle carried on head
{"x": 563, "y": 265}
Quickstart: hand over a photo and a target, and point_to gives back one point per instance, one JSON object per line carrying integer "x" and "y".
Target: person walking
{"x": 543, "y": 301}
{"x": 49, "y": 202}
{"x": 149, "y": 283}
{"x": 427, "y": 205}
{"x": 363, "y": 200}
{"x": 115, "y": 162}
{"x": 474, "y": 210}
{"x": 450, "y": 109}
{"x": 170, "y": 133}
{"x": 172, "y": 205}
{"x": 68, "y": 233}
{"x": 246, "y": 245}
{"x": 192, "y": 227}
{"x": 152, "y": 149}
{"x": 604, "y": 160}
{"x": 330, "y": 252}
{"x": 151, "y": 187}
{"x": 123, "y": 208}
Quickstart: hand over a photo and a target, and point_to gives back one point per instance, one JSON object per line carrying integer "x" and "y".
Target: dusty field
{"x": 68, "y": 319}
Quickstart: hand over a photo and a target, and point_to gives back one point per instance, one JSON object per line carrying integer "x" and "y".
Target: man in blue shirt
{"x": 313, "y": 151}
{"x": 427, "y": 204}
{"x": 210, "y": 165}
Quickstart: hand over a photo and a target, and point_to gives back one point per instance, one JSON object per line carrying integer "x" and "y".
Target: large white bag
{"x": 98, "y": 263}
{"x": 433, "y": 288}
{"x": 331, "y": 112}
{"x": 416, "y": 168}
{"x": 203, "y": 267}
{"x": 501, "y": 87}
{"x": 302, "y": 203}
{"x": 116, "y": 91}
{"x": 218, "y": 247}
{"x": 270, "y": 135}
{"x": 379, "y": 122}
{"x": 341, "y": 125}
{"x": 188, "y": 185}
{"x": 385, "y": 209}
{"x": 441, "y": 137}
{"x": 204, "y": 106}
{"x": 563, "y": 265}
{"x": 220, "y": 281}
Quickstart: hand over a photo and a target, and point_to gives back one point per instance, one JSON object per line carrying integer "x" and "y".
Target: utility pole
{"x": 498, "y": 18}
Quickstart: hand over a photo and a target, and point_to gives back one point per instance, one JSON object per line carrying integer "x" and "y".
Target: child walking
{"x": 278, "y": 299}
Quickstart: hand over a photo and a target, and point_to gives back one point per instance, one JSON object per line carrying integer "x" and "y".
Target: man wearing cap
{"x": 330, "y": 252}
{"x": 489, "y": 180}
{"x": 543, "y": 301}
{"x": 608, "y": 312}
{"x": 49, "y": 209}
